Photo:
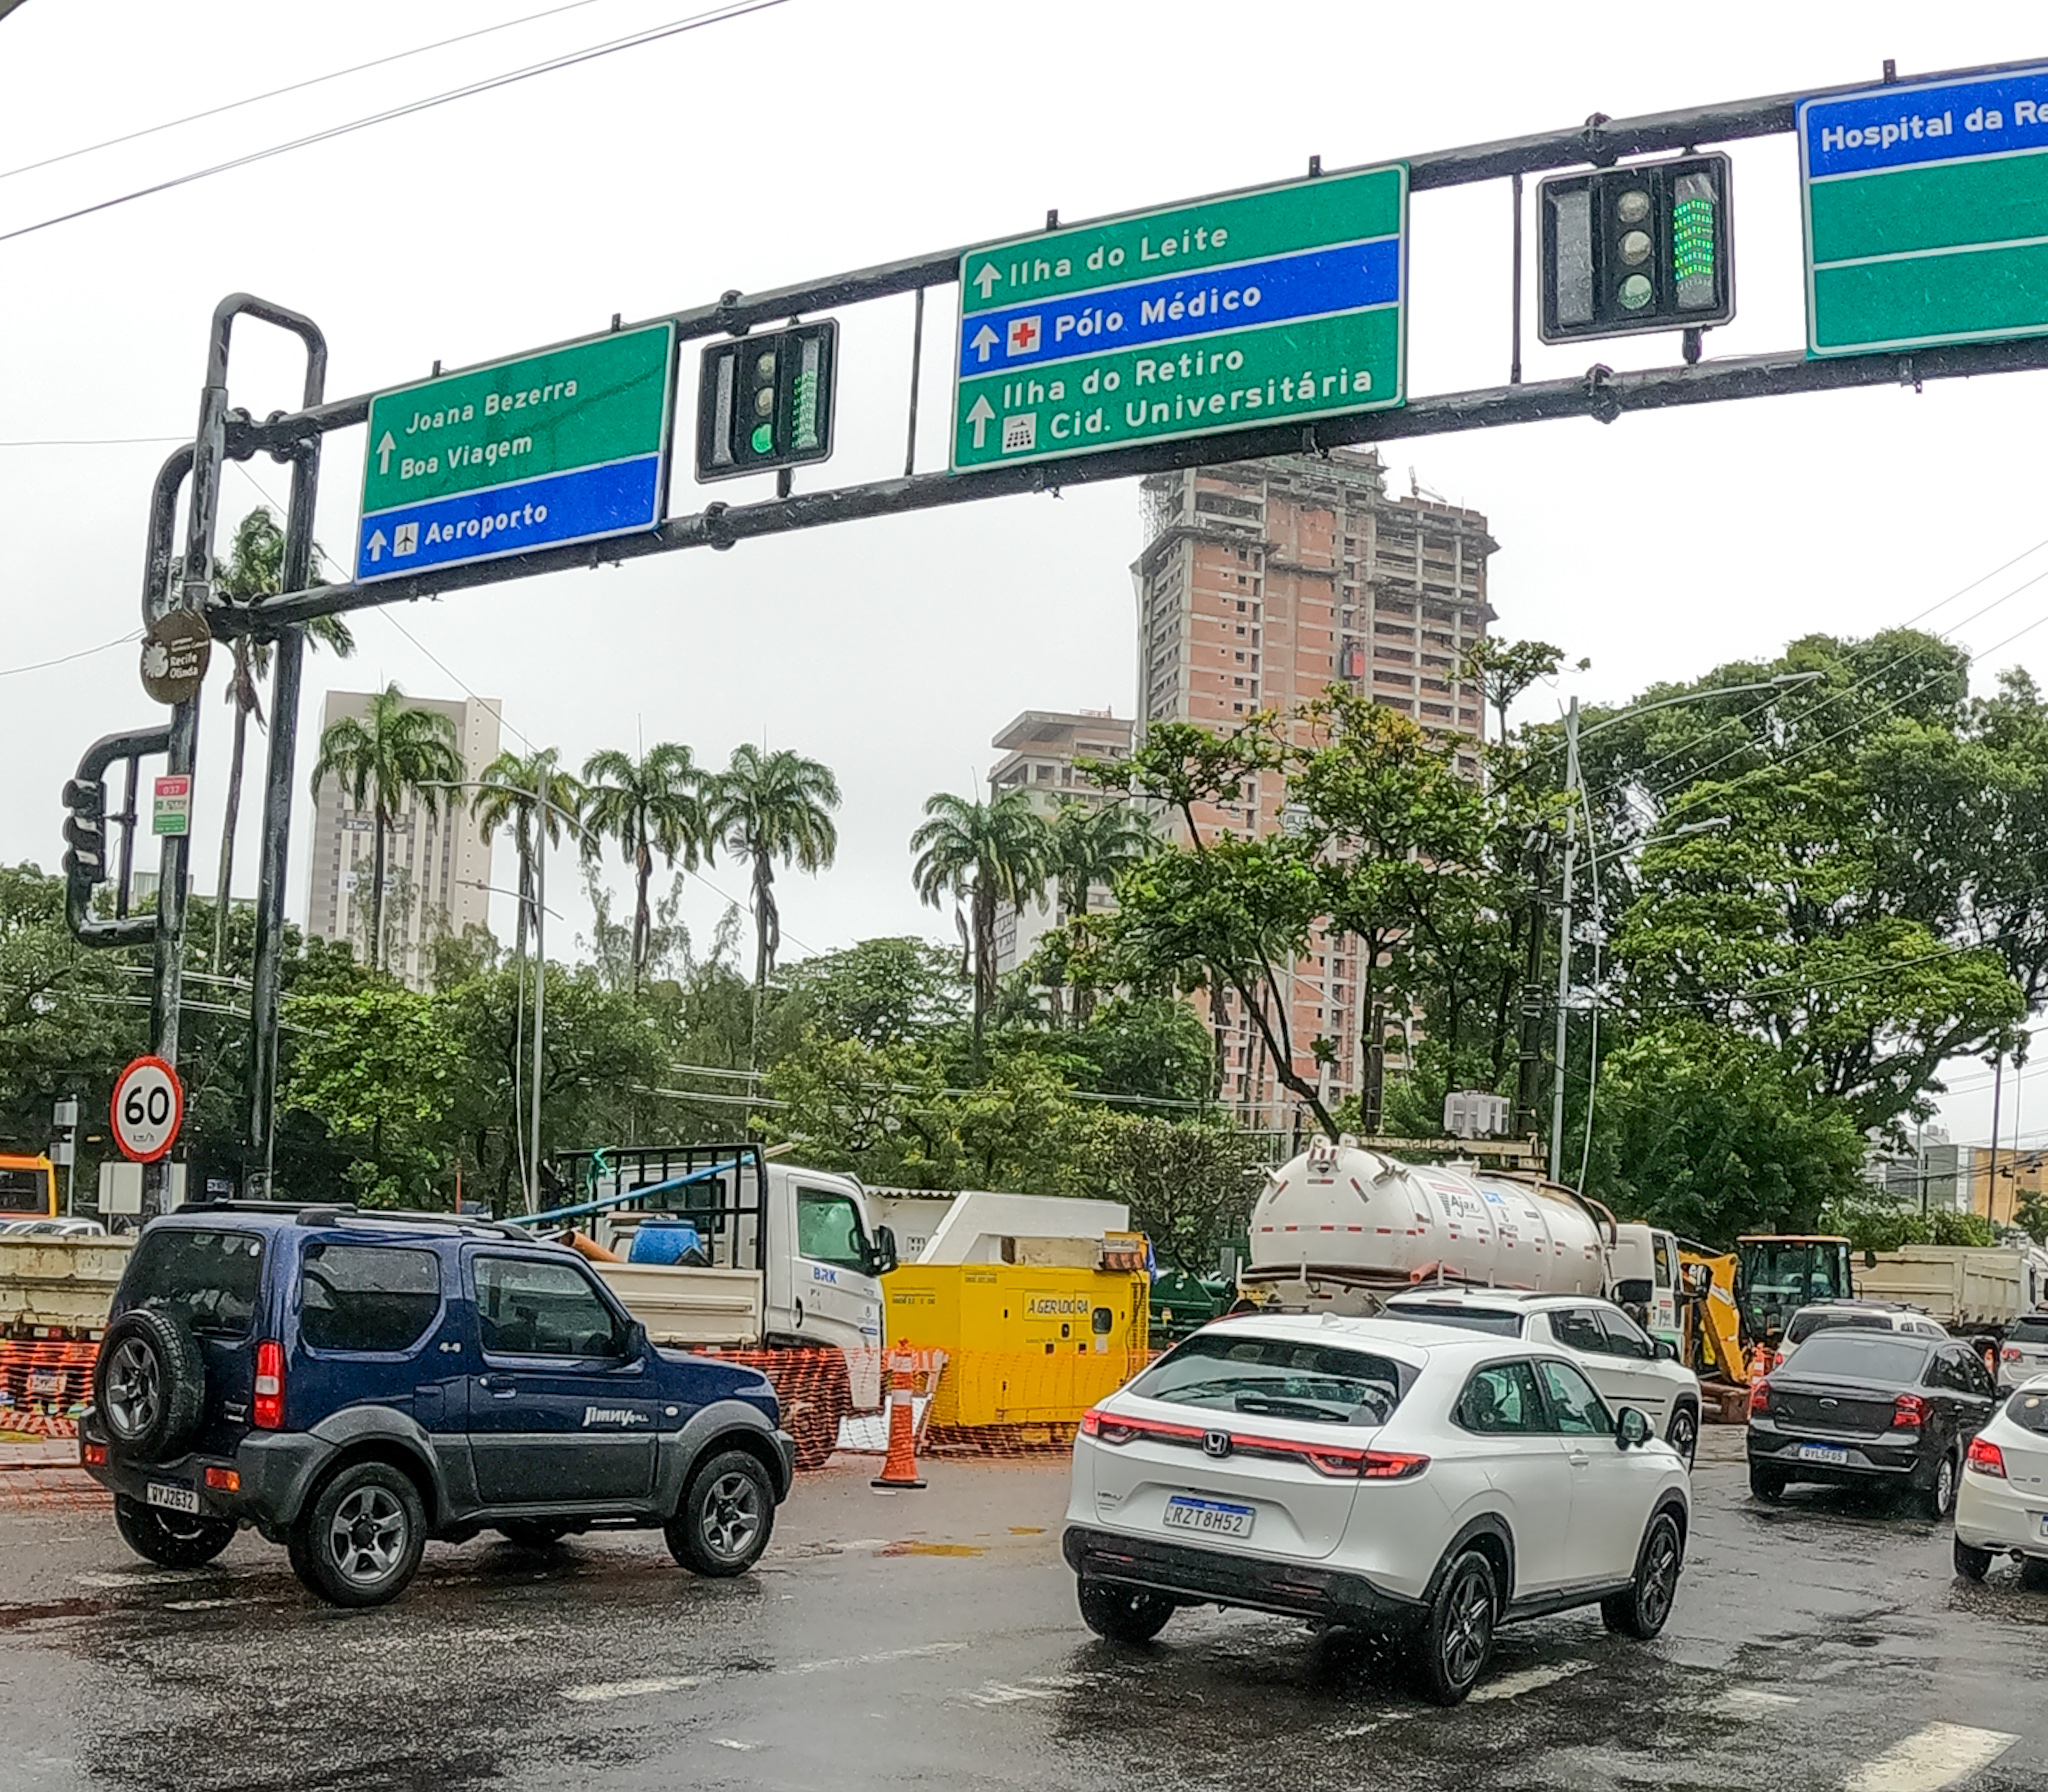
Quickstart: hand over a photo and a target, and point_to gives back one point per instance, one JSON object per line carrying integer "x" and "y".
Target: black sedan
{"x": 1861, "y": 1408}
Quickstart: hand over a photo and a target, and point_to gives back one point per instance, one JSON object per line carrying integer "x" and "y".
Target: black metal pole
{"x": 916, "y": 368}
{"x": 1515, "y": 303}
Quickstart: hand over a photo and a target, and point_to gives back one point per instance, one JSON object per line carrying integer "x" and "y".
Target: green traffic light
{"x": 762, "y": 441}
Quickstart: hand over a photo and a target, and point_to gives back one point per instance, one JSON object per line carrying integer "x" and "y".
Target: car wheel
{"x": 1940, "y": 1498}
{"x": 359, "y": 1539}
{"x": 2033, "y": 1574}
{"x": 533, "y": 1534}
{"x": 1123, "y": 1614}
{"x": 727, "y": 1514}
{"x": 1972, "y": 1564}
{"x": 1684, "y": 1435}
{"x": 1767, "y": 1483}
{"x": 149, "y": 1382}
{"x": 1458, "y": 1634}
{"x": 1642, "y": 1610}
{"x": 171, "y": 1539}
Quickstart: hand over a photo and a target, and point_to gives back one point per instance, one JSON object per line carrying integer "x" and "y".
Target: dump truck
{"x": 1972, "y": 1291}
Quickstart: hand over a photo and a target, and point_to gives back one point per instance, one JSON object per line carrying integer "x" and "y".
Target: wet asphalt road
{"x": 930, "y": 1640}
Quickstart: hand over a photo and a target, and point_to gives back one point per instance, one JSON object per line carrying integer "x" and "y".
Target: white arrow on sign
{"x": 384, "y": 453}
{"x": 987, "y": 278}
{"x": 984, "y": 340}
{"x": 981, "y": 416}
{"x": 376, "y": 546}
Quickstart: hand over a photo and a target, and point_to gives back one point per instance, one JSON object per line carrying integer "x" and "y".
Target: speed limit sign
{"x": 149, "y": 1107}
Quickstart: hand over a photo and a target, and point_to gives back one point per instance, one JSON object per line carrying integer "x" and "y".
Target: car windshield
{"x": 1281, "y": 1378}
{"x": 2029, "y": 1408}
{"x": 208, "y": 1278}
{"x": 1471, "y": 1319}
{"x": 1804, "y": 1325}
{"x": 1862, "y": 1356}
{"x": 2028, "y": 1331}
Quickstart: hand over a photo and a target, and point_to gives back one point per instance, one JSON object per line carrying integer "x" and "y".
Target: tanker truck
{"x": 1342, "y": 1227}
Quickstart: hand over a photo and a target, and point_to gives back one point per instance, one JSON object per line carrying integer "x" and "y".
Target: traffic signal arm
{"x": 85, "y": 835}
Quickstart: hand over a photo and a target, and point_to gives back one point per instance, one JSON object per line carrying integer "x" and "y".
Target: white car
{"x": 1411, "y": 1480}
{"x": 1627, "y": 1365}
{"x": 2002, "y": 1503}
{"x": 2023, "y": 1354}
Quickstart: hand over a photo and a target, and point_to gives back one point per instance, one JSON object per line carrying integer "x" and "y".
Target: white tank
{"x": 1339, "y": 1214}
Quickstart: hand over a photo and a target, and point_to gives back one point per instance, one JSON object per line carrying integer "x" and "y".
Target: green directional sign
{"x": 1926, "y": 213}
{"x": 567, "y": 445}
{"x": 1275, "y": 305}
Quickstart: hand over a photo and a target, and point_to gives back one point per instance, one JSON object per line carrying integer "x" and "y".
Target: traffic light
{"x": 766, "y": 401}
{"x": 1647, "y": 247}
{"x": 85, "y": 834}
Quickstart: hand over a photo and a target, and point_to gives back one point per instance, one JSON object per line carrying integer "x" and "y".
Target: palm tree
{"x": 381, "y": 759}
{"x": 255, "y": 568}
{"x": 513, "y": 789}
{"x": 1089, "y": 844}
{"x": 653, "y": 806}
{"x": 768, "y": 806}
{"x": 986, "y": 853}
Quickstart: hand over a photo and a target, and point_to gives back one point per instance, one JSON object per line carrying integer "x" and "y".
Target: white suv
{"x": 1406, "y": 1479}
{"x": 2023, "y": 1353}
{"x": 1627, "y": 1365}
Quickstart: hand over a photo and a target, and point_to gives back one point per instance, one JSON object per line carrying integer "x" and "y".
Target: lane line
{"x": 1751, "y": 1701}
{"x": 603, "y": 1691}
{"x": 1930, "y": 1759}
{"x": 1513, "y": 1686}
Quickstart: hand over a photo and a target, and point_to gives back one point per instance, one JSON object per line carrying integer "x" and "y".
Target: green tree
{"x": 1189, "y": 1186}
{"x": 255, "y": 569}
{"x": 515, "y": 788}
{"x": 983, "y": 854}
{"x": 767, "y": 807}
{"x": 875, "y": 1108}
{"x": 1089, "y": 845}
{"x": 880, "y": 992}
{"x": 650, "y": 805}
{"x": 1504, "y": 669}
{"x": 395, "y": 752}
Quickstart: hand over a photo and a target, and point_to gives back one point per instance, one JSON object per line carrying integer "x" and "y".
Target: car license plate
{"x": 1213, "y": 1517}
{"x": 172, "y": 1499}
{"x": 2044, "y": 1524}
{"x": 1822, "y": 1453}
{"x": 46, "y": 1381}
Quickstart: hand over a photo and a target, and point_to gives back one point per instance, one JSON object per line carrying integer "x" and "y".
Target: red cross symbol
{"x": 1023, "y": 335}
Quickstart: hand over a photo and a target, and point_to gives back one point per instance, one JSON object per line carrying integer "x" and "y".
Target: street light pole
{"x": 540, "y": 986}
{"x": 1564, "y": 940}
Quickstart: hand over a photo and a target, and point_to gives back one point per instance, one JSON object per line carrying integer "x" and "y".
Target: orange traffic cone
{"x": 901, "y": 1468}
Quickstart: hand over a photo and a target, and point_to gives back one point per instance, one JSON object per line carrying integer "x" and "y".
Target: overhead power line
{"x": 695, "y": 22}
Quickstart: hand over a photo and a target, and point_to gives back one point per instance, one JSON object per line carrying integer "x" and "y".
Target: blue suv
{"x": 353, "y": 1383}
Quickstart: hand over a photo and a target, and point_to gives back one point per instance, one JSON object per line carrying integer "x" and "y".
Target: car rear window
{"x": 1278, "y": 1378}
{"x": 367, "y": 1297}
{"x": 1471, "y": 1319}
{"x": 2029, "y": 1410}
{"x": 1804, "y": 1325}
{"x": 1862, "y": 1354}
{"x": 2028, "y": 1331}
{"x": 207, "y": 1277}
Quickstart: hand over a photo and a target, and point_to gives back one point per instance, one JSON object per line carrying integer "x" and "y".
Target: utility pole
{"x": 540, "y": 973}
{"x": 1564, "y": 939}
{"x": 1535, "y": 866}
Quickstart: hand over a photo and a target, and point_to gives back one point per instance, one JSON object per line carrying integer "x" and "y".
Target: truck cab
{"x": 1643, "y": 1271}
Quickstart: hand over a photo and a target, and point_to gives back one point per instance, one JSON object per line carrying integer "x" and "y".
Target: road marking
{"x": 1931, "y": 1758}
{"x": 998, "y": 1692}
{"x": 727, "y": 1742}
{"x": 1751, "y": 1701}
{"x": 602, "y": 1691}
{"x": 201, "y": 1605}
{"x": 627, "y": 1689}
{"x": 156, "y": 1577}
{"x": 1512, "y": 1686}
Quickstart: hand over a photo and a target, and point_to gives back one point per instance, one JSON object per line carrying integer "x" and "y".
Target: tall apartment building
{"x": 437, "y": 866}
{"x": 1040, "y": 749}
{"x": 1261, "y": 584}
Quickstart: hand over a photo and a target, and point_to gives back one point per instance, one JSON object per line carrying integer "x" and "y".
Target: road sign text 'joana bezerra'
{"x": 1926, "y": 213}
{"x": 1269, "y": 306}
{"x": 567, "y": 445}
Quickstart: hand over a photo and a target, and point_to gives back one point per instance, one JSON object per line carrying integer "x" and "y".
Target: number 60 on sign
{"x": 148, "y": 1108}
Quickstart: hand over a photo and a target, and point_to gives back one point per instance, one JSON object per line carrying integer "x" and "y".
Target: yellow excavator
{"x": 1736, "y": 1303}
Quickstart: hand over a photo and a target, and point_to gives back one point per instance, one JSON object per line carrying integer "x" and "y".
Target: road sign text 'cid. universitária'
{"x": 570, "y": 444}
{"x": 1926, "y": 213}
{"x": 1270, "y": 306}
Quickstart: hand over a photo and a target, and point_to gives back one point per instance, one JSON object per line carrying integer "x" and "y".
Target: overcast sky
{"x": 822, "y": 135}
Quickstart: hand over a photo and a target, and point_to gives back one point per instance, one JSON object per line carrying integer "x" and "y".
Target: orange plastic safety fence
{"x": 43, "y": 1383}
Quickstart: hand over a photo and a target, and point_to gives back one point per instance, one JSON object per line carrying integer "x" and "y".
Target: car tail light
{"x": 1986, "y": 1458}
{"x": 1363, "y": 1465}
{"x": 1091, "y": 1421}
{"x": 1759, "y": 1398}
{"x": 1909, "y": 1412}
{"x": 2010, "y": 1354}
{"x": 92, "y": 1455}
{"x": 224, "y": 1480}
{"x": 267, "y": 1412}
{"x": 1777, "y": 1359}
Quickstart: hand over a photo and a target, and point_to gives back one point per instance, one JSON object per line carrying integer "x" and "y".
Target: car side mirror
{"x": 883, "y": 1255}
{"x": 635, "y": 1344}
{"x": 1631, "y": 1429}
{"x": 1664, "y": 1350}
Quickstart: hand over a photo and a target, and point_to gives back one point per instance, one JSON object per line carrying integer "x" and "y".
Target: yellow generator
{"x": 1025, "y": 1345}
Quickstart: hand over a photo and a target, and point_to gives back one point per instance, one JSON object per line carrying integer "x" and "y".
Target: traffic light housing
{"x": 765, "y": 402}
{"x": 1624, "y": 250}
{"x": 85, "y": 834}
